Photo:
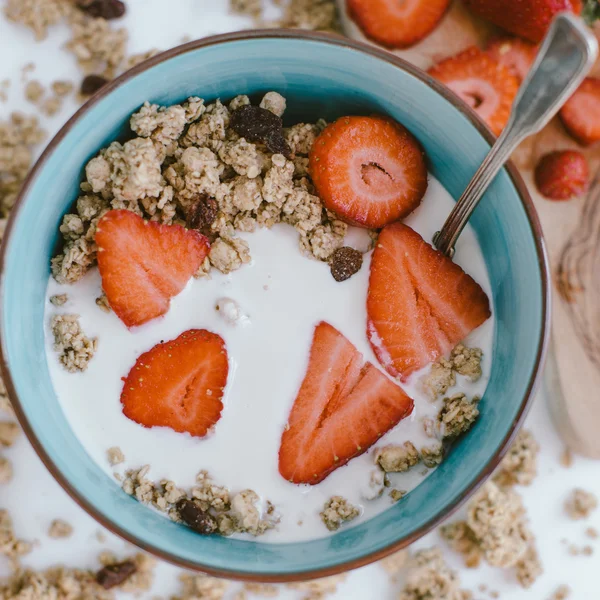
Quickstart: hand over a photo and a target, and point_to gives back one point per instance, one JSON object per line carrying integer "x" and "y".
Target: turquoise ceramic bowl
{"x": 321, "y": 76}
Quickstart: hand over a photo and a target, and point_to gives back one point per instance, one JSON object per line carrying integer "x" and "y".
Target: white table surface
{"x": 34, "y": 498}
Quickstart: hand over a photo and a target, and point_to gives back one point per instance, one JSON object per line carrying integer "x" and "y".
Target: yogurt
{"x": 267, "y": 314}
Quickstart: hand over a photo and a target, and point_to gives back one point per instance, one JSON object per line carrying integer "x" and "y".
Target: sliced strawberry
{"x": 515, "y": 54}
{"x": 397, "y": 24}
{"x": 581, "y": 113}
{"x": 368, "y": 170}
{"x": 419, "y": 304}
{"x": 562, "y": 175}
{"x": 178, "y": 384}
{"x": 144, "y": 264}
{"x": 483, "y": 83}
{"x": 343, "y": 407}
{"x": 528, "y": 19}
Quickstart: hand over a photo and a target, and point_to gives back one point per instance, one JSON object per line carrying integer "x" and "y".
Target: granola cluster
{"x": 60, "y": 529}
{"x": 10, "y": 545}
{"x": 75, "y": 349}
{"x": 337, "y": 511}
{"x": 580, "y": 504}
{"x": 496, "y": 529}
{"x": 519, "y": 466}
{"x": 430, "y": 578}
{"x": 442, "y": 375}
{"x": 207, "y": 504}
{"x": 186, "y": 156}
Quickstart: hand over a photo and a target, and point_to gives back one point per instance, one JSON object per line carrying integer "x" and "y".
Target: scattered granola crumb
{"x": 51, "y": 106}
{"x": 467, "y": 361}
{"x": 100, "y": 536}
{"x": 115, "y": 456}
{"x": 397, "y": 495}
{"x": 519, "y": 466}
{"x": 6, "y": 471}
{"x": 338, "y": 510}
{"x": 230, "y": 311}
{"x": 318, "y": 589}
{"x": 374, "y": 486}
{"x": 10, "y": 546}
{"x": 497, "y": 530}
{"x": 38, "y": 15}
{"x": 136, "y": 59}
{"x": 266, "y": 590}
{"x": 457, "y": 415}
{"x": 592, "y": 533}
{"x": 102, "y": 303}
{"x": 439, "y": 380}
{"x": 397, "y": 459}
{"x": 5, "y": 405}
{"x": 566, "y": 458}
{"x": 62, "y": 88}
{"x": 75, "y": 349}
{"x": 59, "y": 299}
{"x": 580, "y": 504}
{"x": 316, "y": 15}
{"x": 430, "y": 578}
{"x": 18, "y": 137}
{"x": 199, "y": 586}
{"x": 395, "y": 563}
{"x": 9, "y": 432}
{"x": 60, "y": 529}
{"x": 562, "y": 592}
{"x": 251, "y": 8}
{"x": 432, "y": 455}
{"x": 34, "y": 91}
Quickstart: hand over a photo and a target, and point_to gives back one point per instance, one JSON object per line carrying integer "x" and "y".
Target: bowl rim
{"x": 540, "y": 248}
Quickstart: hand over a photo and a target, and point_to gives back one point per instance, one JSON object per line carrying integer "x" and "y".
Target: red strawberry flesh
{"x": 397, "y": 24}
{"x": 562, "y": 175}
{"x": 420, "y": 304}
{"x": 343, "y": 407}
{"x": 370, "y": 171}
{"x": 178, "y": 384}
{"x": 144, "y": 264}
{"x": 581, "y": 113}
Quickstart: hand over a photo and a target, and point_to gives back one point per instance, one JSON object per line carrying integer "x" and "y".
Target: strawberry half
{"x": 144, "y": 264}
{"x": 581, "y": 113}
{"x": 562, "y": 175}
{"x": 419, "y": 304}
{"x": 397, "y": 24}
{"x": 343, "y": 407}
{"x": 178, "y": 384}
{"x": 528, "y": 19}
{"x": 370, "y": 171}
{"x": 482, "y": 82}
{"x": 515, "y": 54}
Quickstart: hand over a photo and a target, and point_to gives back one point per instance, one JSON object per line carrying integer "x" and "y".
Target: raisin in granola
{"x": 345, "y": 262}
{"x": 192, "y": 515}
{"x": 202, "y": 213}
{"x": 103, "y": 9}
{"x": 91, "y": 84}
{"x": 111, "y": 576}
{"x": 257, "y": 124}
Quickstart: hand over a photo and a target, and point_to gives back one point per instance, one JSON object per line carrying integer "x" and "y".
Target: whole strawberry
{"x": 562, "y": 175}
{"x": 528, "y": 19}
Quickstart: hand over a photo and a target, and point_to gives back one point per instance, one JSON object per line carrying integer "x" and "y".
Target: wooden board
{"x": 573, "y": 371}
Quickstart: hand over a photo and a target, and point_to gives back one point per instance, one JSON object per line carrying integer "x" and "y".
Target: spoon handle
{"x": 564, "y": 59}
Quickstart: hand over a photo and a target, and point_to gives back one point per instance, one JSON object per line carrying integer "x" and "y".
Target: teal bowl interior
{"x": 321, "y": 77}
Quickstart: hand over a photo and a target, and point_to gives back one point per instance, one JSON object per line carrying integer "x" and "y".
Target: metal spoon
{"x": 564, "y": 59}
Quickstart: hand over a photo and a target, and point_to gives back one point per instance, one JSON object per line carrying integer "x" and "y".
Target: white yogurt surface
{"x": 279, "y": 298}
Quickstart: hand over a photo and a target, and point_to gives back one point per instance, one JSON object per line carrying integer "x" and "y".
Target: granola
{"x": 11, "y": 546}
{"x": 186, "y": 152}
{"x": 395, "y": 563}
{"x": 9, "y": 432}
{"x": 432, "y": 455}
{"x": 338, "y": 510}
{"x": 318, "y": 589}
{"x": 6, "y": 471}
{"x": 467, "y": 361}
{"x": 440, "y": 379}
{"x": 200, "y": 587}
{"x": 75, "y": 349}
{"x": 236, "y": 513}
{"x": 580, "y": 504}
{"x": 59, "y": 528}
{"x": 430, "y": 578}
{"x": 519, "y": 466}
{"x": 397, "y": 459}
{"x": 59, "y": 299}
{"x": 115, "y": 456}
{"x": 457, "y": 415}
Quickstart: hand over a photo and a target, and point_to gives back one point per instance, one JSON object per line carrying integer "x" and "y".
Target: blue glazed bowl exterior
{"x": 321, "y": 76}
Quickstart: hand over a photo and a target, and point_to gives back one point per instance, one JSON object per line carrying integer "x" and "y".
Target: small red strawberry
{"x": 397, "y": 24}
{"x": 581, "y": 113}
{"x": 178, "y": 384}
{"x": 343, "y": 407}
{"x": 515, "y": 54}
{"x": 420, "y": 304}
{"x": 368, "y": 170}
{"x": 144, "y": 264}
{"x": 562, "y": 175}
{"x": 528, "y": 19}
{"x": 483, "y": 83}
